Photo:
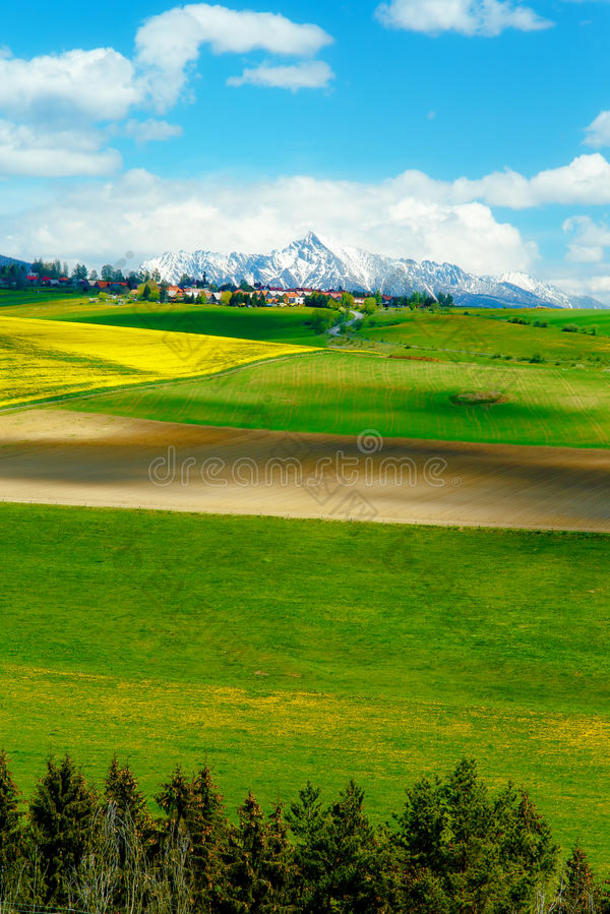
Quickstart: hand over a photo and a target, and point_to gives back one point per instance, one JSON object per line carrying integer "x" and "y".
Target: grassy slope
{"x": 347, "y": 393}
{"x": 41, "y": 359}
{"x": 451, "y": 335}
{"x": 281, "y": 325}
{"x": 278, "y": 650}
{"x": 558, "y": 317}
{"x": 35, "y": 298}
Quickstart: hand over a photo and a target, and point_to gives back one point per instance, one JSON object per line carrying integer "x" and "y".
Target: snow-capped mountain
{"x": 313, "y": 263}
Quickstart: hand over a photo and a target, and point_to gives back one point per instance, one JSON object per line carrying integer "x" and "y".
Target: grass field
{"x": 277, "y": 325}
{"x": 277, "y": 650}
{"x": 10, "y": 298}
{"x": 45, "y": 359}
{"x": 558, "y": 317}
{"x": 451, "y": 336}
{"x": 345, "y": 393}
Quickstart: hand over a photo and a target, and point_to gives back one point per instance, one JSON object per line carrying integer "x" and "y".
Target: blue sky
{"x": 206, "y": 126}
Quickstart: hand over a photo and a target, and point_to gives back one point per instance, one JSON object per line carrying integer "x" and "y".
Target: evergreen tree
{"x": 307, "y": 822}
{"x": 280, "y": 866}
{"x": 580, "y": 895}
{"x": 338, "y": 854}
{"x": 10, "y": 833}
{"x": 121, "y": 789}
{"x": 472, "y": 854}
{"x": 259, "y": 864}
{"x": 460, "y": 851}
{"x": 353, "y": 873}
{"x": 61, "y": 815}
{"x": 526, "y": 848}
{"x": 175, "y": 799}
{"x": 207, "y": 827}
{"x": 247, "y": 888}
{"x": 421, "y": 842}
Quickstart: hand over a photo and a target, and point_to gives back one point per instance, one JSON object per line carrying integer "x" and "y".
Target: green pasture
{"x": 281, "y": 325}
{"x": 456, "y": 336}
{"x": 586, "y": 318}
{"x": 280, "y": 650}
{"x": 345, "y": 393}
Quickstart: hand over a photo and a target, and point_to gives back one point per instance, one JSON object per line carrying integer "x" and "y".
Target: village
{"x": 152, "y": 288}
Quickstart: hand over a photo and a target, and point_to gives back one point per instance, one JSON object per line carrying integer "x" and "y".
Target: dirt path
{"x": 51, "y": 456}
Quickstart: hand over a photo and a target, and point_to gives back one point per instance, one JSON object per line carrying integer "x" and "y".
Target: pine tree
{"x": 580, "y": 895}
{"x": 353, "y": 849}
{"x": 339, "y": 861}
{"x": 307, "y": 821}
{"x": 121, "y": 789}
{"x": 280, "y": 865}
{"x": 175, "y": 799}
{"x": 421, "y": 849}
{"x": 61, "y": 813}
{"x": 10, "y": 833}
{"x": 527, "y": 851}
{"x": 459, "y": 850}
{"x": 259, "y": 864}
{"x": 207, "y": 828}
{"x": 472, "y": 859}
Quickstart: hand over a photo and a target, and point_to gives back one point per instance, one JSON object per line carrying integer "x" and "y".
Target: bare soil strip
{"x": 54, "y": 457}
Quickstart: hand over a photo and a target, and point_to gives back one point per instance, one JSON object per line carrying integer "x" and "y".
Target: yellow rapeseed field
{"x": 42, "y": 359}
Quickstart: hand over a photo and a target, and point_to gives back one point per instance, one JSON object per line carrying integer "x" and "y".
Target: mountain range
{"x": 7, "y": 261}
{"x": 314, "y": 263}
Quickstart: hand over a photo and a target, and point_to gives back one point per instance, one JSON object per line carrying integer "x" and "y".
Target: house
{"x": 174, "y": 292}
{"x": 108, "y": 284}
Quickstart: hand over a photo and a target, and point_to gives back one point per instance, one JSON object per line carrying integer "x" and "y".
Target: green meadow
{"x": 279, "y": 650}
{"x": 451, "y": 336}
{"x": 281, "y": 325}
{"x": 345, "y": 393}
{"x": 586, "y": 318}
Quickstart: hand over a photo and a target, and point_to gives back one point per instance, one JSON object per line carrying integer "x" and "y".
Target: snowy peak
{"x": 316, "y": 263}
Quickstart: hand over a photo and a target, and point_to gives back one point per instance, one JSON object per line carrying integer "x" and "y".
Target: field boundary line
{"x": 151, "y": 385}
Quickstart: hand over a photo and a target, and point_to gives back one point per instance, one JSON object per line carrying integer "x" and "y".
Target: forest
{"x": 455, "y": 847}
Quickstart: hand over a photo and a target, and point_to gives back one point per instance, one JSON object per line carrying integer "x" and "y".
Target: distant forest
{"x": 454, "y": 848}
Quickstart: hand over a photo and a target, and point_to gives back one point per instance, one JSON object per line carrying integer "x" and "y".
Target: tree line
{"x": 454, "y": 848}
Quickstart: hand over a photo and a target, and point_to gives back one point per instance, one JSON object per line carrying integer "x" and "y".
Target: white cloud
{"x": 589, "y": 239}
{"x": 45, "y": 97}
{"x": 149, "y": 215}
{"x": 585, "y": 181}
{"x": 151, "y": 130}
{"x": 313, "y": 74}
{"x": 29, "y": 151}
{"x": 597, "y": 286}
{"x": 486, "y": 18}
{"x": 96, "y": 85}
{"x": 51, "y": 103}
{"x": 167, "y": 43}
{"x": 598, "y": 132}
